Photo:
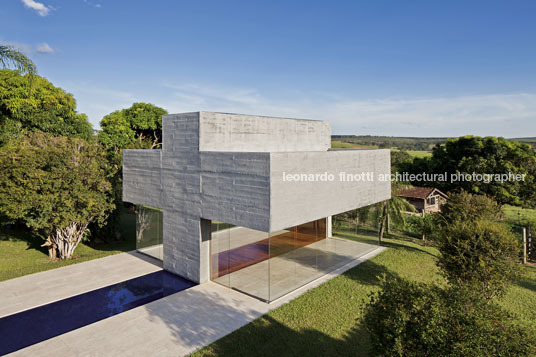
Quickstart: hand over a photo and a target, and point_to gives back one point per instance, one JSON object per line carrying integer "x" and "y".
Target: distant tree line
{"x": 407, "y": 143}
{"x": 400, "y": 143}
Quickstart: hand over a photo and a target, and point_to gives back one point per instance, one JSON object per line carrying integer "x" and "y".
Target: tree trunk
{"x": 387, "y": 223}
{"x": 383, "y": 222}
{"x": 63, "y": 241}
{"x": 52, "y": 249}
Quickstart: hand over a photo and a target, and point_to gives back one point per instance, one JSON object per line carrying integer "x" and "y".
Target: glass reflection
{"x": 268, "y": 266}
{"x": 149, "y": 231}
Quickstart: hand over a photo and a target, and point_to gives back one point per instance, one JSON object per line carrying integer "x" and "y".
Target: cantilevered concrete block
{"x": 231, "y": 168}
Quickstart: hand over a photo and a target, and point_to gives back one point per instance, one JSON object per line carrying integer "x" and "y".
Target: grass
{"x": 326, "y": 320}
{"x": 343, "y": 145}
{"x": 21, "y": 252}
{"x": 335, "y": 144}
{"x": 513, "y": 214}
{"x": 419, "y": 153}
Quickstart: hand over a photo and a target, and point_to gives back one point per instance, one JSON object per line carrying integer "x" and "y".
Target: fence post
{"x": 524, "y": 232}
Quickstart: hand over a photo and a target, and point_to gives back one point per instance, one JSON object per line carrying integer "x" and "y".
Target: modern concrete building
{"x": 247, "y": 201}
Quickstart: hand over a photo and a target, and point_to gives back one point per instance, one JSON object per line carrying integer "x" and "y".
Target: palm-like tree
{"x": 10, "y": 57}
{"x": 385, "y": 212}
{"x": 391, "y": 210}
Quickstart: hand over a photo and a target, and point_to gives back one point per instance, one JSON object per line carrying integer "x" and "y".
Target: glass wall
{"x": 270, "y": 265}
{"x": 149, "y": 231}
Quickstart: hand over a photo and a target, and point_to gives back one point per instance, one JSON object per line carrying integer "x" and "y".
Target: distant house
{"x": 424, "y": 199}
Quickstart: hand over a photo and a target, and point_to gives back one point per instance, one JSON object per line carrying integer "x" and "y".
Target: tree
{"x": 46, "y": 108}
{"x": 137, "y": 126}
{"x": 477, "y": 249}
{"x": 415, "y": 319}
{"x": 57, "y": 185}
{"x": 489, "y": 155}
{"x": 398, "y": 157}
{"x": 10, "y": 57}
{"x": 425, "y": 225}
{"x": 390, "y": 211}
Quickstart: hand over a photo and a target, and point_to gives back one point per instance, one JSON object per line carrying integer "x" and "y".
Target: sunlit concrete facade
{"x": 217, "y": 168}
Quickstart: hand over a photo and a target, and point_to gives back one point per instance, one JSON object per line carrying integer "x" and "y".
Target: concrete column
{"x": 204, "y": 263}
{"x": 329, "y": 226}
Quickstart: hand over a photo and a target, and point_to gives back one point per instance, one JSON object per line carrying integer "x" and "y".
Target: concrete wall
{"x": 293, "y": 203}
{"x": 217, "y": 166}
{"x": 250, "y": 133}
{"x": 235, "y": 188}
{"x": 142, "y": 180}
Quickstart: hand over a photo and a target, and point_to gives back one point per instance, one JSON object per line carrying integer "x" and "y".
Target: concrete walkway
{"x": 176, "y": 325}
{"x": 38, "y": 289}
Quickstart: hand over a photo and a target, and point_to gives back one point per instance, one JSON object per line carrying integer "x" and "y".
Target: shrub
{"x": 477, "y": 249}
{"x": 468, "y": 207}
{"x": 423, "y": 227}
{"x": 415, "y": 319}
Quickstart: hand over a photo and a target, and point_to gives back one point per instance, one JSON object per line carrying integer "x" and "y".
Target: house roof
{"x": 419, "y": 192}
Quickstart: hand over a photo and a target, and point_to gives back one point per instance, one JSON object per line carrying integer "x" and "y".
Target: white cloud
{"x": 96, "y": 100}
{"x": 492, "y": 114}
{"x": 23, "y": 47}
{"x": 44, "y": 48}
{"x": 29, "y": 49}
{"x": 97, "y": 5}
{"x": 41, "y": 8}
{"x": 509, "y": 114}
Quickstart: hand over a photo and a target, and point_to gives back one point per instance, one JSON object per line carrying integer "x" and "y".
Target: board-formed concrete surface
{"x": 176, "y": 325}
{"x": 228, "y": 168}
{"x": 42, "y": 288}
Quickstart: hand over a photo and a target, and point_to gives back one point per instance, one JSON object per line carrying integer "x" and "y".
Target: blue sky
{"x": 401, "y": 68}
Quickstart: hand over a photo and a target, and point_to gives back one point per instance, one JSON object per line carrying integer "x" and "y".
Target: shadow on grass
{"x": 33, "y": 240}
{"x": 526, "y": 281}
{"x": 268, "y": 337}
{"x": 366, "y": 235}
{"x": 370, "y": 273}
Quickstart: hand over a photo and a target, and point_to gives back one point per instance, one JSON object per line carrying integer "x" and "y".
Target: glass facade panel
{"x": 149, "y": 231}
{"x": 220, "y": 246}
{"x": 268, "y": 266}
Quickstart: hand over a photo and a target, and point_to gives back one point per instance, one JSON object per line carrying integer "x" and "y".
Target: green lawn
{"x": 21, "y": 252}
{"x": 326, "y": 320}
{"x": 513, "y": 214}
{"x": 419, "y": 153}
{"x": 343, "y": 145}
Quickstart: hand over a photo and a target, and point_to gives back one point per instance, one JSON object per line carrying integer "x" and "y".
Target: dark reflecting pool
{"x": 31, "y": 326}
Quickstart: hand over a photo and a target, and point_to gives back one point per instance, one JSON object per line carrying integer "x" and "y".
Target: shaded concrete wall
{"x": 235, "y": 188}
{"x": 142, "y": 180}
{"x": 293, "y": 203}
{"x": 183, "y": 247}
{"x": 251, "y": 133}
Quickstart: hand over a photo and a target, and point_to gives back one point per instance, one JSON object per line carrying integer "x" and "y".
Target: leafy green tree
{"x": 477, "y": 249}
{"x": 138, "y": 126}
{"x": 10, "y": 57}
{"x": 398, "y": 157}
{"x": 45, "y": 108}
{"x": 415, "y": 319}
{"x": 57, "y": 185}
{"x": 489, "y": 155}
